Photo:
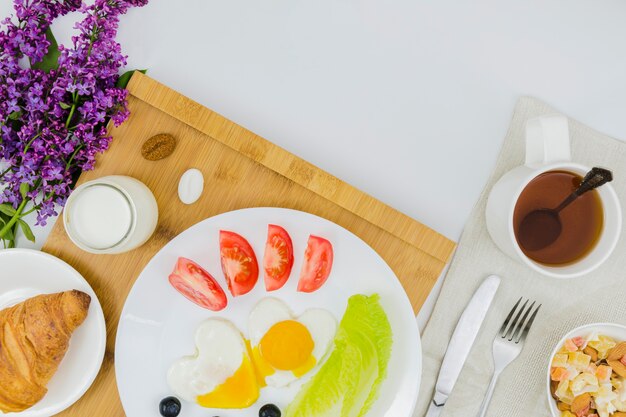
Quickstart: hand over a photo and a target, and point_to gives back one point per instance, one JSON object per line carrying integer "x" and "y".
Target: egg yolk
{"x": 238, "y": 391}
{"x": 287, "y": 346}
{"x": 263, "y": 368}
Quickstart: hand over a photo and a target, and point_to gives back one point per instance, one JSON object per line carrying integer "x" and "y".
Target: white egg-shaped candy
{"x": 190, "y": 186}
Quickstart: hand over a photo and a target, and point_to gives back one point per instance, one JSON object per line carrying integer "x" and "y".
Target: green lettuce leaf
{"x": 347, "y": 384}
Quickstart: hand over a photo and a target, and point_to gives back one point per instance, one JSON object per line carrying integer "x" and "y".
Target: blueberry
{"x": 169, "y": 407}
{"x": 269, "y": 410}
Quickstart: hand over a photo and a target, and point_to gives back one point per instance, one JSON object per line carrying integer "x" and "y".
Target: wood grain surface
{"x": 241, "y": 170}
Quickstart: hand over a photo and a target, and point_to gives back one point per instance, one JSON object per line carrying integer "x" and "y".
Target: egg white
{"x": 220, "y": 351}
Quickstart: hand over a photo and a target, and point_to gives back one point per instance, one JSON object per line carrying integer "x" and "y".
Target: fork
{"x": 508, "y": 344}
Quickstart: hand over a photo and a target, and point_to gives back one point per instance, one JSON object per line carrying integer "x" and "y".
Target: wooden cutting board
{"x": 241, "y": 170}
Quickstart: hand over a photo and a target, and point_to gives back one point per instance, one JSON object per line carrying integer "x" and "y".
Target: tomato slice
{"x": 278, "y": 257}
{"x": 197, "y": 285}
{"x": 239, "y": 263}
{"x": 318, "y": 261}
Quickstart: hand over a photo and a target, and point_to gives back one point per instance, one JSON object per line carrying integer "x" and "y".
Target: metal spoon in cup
{"x": 548, "y": 220}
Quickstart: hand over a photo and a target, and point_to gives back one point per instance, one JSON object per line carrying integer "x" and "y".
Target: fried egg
{"x": 220, "y": 374}
{"x": 285, "y": 347}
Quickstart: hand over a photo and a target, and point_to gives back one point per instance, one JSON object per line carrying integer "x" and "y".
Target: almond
{"x": 618, "y": 367}
{"x": 158, "y": 147}
{"x": 591, "y": 352}
{"x": 553, "y": 386}
{"x": 617, "y": 352}
{"x": 581, "y": 403}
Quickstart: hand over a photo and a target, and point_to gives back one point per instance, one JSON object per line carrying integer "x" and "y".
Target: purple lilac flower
{"x": 52, "y": 123}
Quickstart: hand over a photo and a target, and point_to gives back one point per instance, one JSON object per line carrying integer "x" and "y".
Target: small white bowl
{"x": 616, "y": 331}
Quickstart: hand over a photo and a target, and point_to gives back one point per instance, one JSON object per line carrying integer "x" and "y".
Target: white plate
{"x": 157, "y": 323}
{"x": 26, "y": 273}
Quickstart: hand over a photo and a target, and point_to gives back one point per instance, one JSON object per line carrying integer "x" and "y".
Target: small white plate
{"x": 616, "y": 331}
{"x": 27, "y": 273}
{"x": 157, "y": 324}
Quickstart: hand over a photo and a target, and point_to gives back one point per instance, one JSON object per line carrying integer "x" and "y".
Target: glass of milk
{"x": 112, "y": 214}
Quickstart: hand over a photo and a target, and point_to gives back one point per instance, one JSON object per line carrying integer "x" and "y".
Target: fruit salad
{"x": 588, "y": 377}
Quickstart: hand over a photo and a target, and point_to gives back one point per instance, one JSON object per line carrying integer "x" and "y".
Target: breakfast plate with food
{"x": 270, "y": 312}
{"x": 52, "y": 334}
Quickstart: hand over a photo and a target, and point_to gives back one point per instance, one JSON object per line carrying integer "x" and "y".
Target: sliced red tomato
{"x": 197, "y": 285}
{"x": 278, "y": 257}
{"x": 318, "y": 261}
{"x": 239, "y": 263}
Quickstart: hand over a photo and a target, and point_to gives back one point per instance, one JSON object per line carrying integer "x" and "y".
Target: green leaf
{"x": 26, "y": 230}
{"x": 122, "y": 82}
{"x": 51, "y": 58}
{"x": 15, "y": 115}
{"x": 24, "y": 189}
{"x": 7, "y": 209}
{"x": 64, "y": 106}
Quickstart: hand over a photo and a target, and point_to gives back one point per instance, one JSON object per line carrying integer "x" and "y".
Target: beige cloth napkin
{"x": 597, "y": 297}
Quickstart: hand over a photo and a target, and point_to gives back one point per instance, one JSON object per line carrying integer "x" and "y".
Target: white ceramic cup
{"x": 615, "y": 331}
{"x": 548, "y": 149}
{"x": 109, "y": 215}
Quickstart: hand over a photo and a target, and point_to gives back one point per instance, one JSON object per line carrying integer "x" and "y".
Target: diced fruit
{"x": 239, "y": 263}
{"x": 591, "y": 368}
{"x": 584, "y": 383}
{"x": 562, "y": 406}
{"x": 579, "y": 360}
{"x": 558, "y": 374}
{"x": 197, "y": 285}
{"x": 581, "y": 404}
{"x": 604, "y": 373}
{"x": 318, "y": 262}
{"x": 560, "y": 360}
{"x": 623, "y": 360}
{"x": 564, "y": 393}
{"x": 578, "y": 341}
{"x": 278, "y": 257}
{"x": 568, "y": 414}
{"x": 570, "y": 346}
{"x": 602, "y": 345}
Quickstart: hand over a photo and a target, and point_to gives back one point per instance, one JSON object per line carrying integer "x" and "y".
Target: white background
{"x": 408, "y": 100}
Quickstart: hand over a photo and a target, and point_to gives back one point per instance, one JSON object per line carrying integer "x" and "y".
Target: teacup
{"x": 548, "y": 149}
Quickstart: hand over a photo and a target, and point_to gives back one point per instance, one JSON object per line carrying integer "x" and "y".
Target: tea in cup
{"x": 590, "y": 225}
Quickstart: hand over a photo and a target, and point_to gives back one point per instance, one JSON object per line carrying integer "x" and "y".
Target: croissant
{"x": 34, "y": 336}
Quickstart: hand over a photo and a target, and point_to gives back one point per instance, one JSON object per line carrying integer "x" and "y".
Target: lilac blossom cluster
{"x": 53, "y": 119}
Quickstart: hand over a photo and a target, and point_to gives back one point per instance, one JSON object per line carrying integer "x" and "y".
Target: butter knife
{"x": 461, "y": 342}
